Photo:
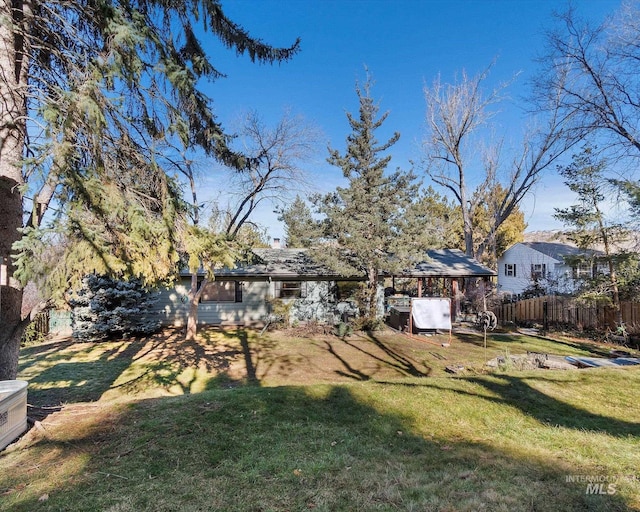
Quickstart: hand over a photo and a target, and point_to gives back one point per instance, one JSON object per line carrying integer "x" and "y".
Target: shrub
{"x": 105, "y": 308}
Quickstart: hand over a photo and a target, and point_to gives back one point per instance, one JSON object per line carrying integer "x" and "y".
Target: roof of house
{"x": 291, "y": 263}
{"x": 283, "y": 264}
{"x": 557, "y": 251}
{"x": 280, "y": 264}
{"x": 449, "y": 263}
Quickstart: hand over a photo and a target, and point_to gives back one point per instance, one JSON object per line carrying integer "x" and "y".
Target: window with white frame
{"x": 582, "y": 271}
{"x": 538, "y": 270}
{"x": 510, "y": 269}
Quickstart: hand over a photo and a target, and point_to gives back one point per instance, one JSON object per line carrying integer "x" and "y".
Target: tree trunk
{"x": 467, "y": 213}
{"x": 11, "y": 325}
{"x": 372, "y": 295}
{"x": 195, "y": 293}
{"x": 613, "y": 278}
{"x": 13, "y": 79}
{"x": 192, "y": 320}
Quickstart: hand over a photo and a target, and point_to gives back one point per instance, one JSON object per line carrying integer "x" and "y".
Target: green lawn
{"x": 288, "y": 423}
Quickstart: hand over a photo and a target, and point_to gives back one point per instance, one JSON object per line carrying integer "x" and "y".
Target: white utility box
{"x": 13, "y": 410}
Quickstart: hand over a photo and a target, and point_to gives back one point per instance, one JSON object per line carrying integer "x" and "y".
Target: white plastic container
{"x": 13, "y": 410}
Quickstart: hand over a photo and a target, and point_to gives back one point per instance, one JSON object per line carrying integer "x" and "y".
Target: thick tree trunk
{"x": 11, "y": 329}
{"x": 13, "y": 77}
{"x": 11, "y": 325}
{"x": 194, "y": 298}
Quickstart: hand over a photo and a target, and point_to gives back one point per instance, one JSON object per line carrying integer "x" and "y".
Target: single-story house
{"x": 244, "y": 295}
{"x": 559, "y": 266}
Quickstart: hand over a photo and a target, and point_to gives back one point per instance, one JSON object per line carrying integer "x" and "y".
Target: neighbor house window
{"x": 510, "y": 269}
{"x": 581, "y": 271}
{"x": 538, "y": 271}
{"x": 290, "y": 289}
{"x": 222, "y": 291}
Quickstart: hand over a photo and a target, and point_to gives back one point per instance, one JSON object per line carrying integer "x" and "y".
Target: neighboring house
{"x": 243, "y": 295}
{"x": 547, "y": 263}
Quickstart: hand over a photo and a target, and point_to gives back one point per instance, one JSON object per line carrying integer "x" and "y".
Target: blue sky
{"x": 405, "y": 44}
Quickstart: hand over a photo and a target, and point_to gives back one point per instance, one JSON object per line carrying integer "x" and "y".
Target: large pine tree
{"x": 372, "y": 225}
{"x": 91, "y": 93}
{"x": 589, "y": 226}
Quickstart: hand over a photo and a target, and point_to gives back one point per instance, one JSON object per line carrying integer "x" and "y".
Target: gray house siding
{"x": 292, "y": 276}
{"x": 318, "y": 304}
{"x": 172, "y": 306}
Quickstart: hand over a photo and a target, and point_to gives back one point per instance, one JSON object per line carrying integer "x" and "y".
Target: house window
{"x": 510, "y": 269}
{"x": 222, "y": 291}
{"x": 582, "y": 271}
{"x": 290, "y": 289}
{"x": 346, "y": 289}
{"x": 538, "y": 271}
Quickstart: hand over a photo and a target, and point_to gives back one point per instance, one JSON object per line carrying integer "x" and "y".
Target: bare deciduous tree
{"x": 456, "y": 116}
{"x": 594, "y": 73}
{"x": 279, "y": 154}
{"x": 275, "y": 171}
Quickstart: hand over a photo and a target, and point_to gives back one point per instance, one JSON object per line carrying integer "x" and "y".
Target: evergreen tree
{"x": 590, "y": 228}
{"x": 442, "y": 221}
{"x": 104, "y": 308}
{"x": 631, "y": 192}
{"x": 372, "y": 225}
{"x": 298, "y": 224}
{"x": 109, "y": 84}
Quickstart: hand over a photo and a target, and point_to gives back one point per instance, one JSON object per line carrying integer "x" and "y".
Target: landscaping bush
{"x": 105, "y": 308}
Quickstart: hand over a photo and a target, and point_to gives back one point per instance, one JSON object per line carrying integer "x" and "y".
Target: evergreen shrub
{"x": 107, "y": 308}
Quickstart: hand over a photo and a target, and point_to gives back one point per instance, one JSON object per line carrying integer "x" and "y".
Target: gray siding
{"x": 319, "y": 305}
{"x": 172, "y": 307}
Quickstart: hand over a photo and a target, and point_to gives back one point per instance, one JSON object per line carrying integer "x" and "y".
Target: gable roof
{"x": 291, "y": 263}
{"x": 557, "y": 251}
{"x": 449, "y": 263}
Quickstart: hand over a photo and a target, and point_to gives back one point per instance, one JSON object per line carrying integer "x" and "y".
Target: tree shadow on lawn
{"x": 259, "y": 354}
{"x": 173, "y": 362}
{"x": 78, "y": 381}
{"x": 288, "y": 448}
{"x": 590, "y": 349}
{"x": 389, "y": 358}
{"x": 84, "y": 372}
{"x": 516, "y": 392}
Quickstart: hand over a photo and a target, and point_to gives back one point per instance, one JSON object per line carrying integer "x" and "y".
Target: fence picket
{"x": 566, "y": 310}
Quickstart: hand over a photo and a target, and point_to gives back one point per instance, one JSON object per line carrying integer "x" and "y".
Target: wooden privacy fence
{"x": 566, "y": 310}
{"x": 38, "y": 328}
